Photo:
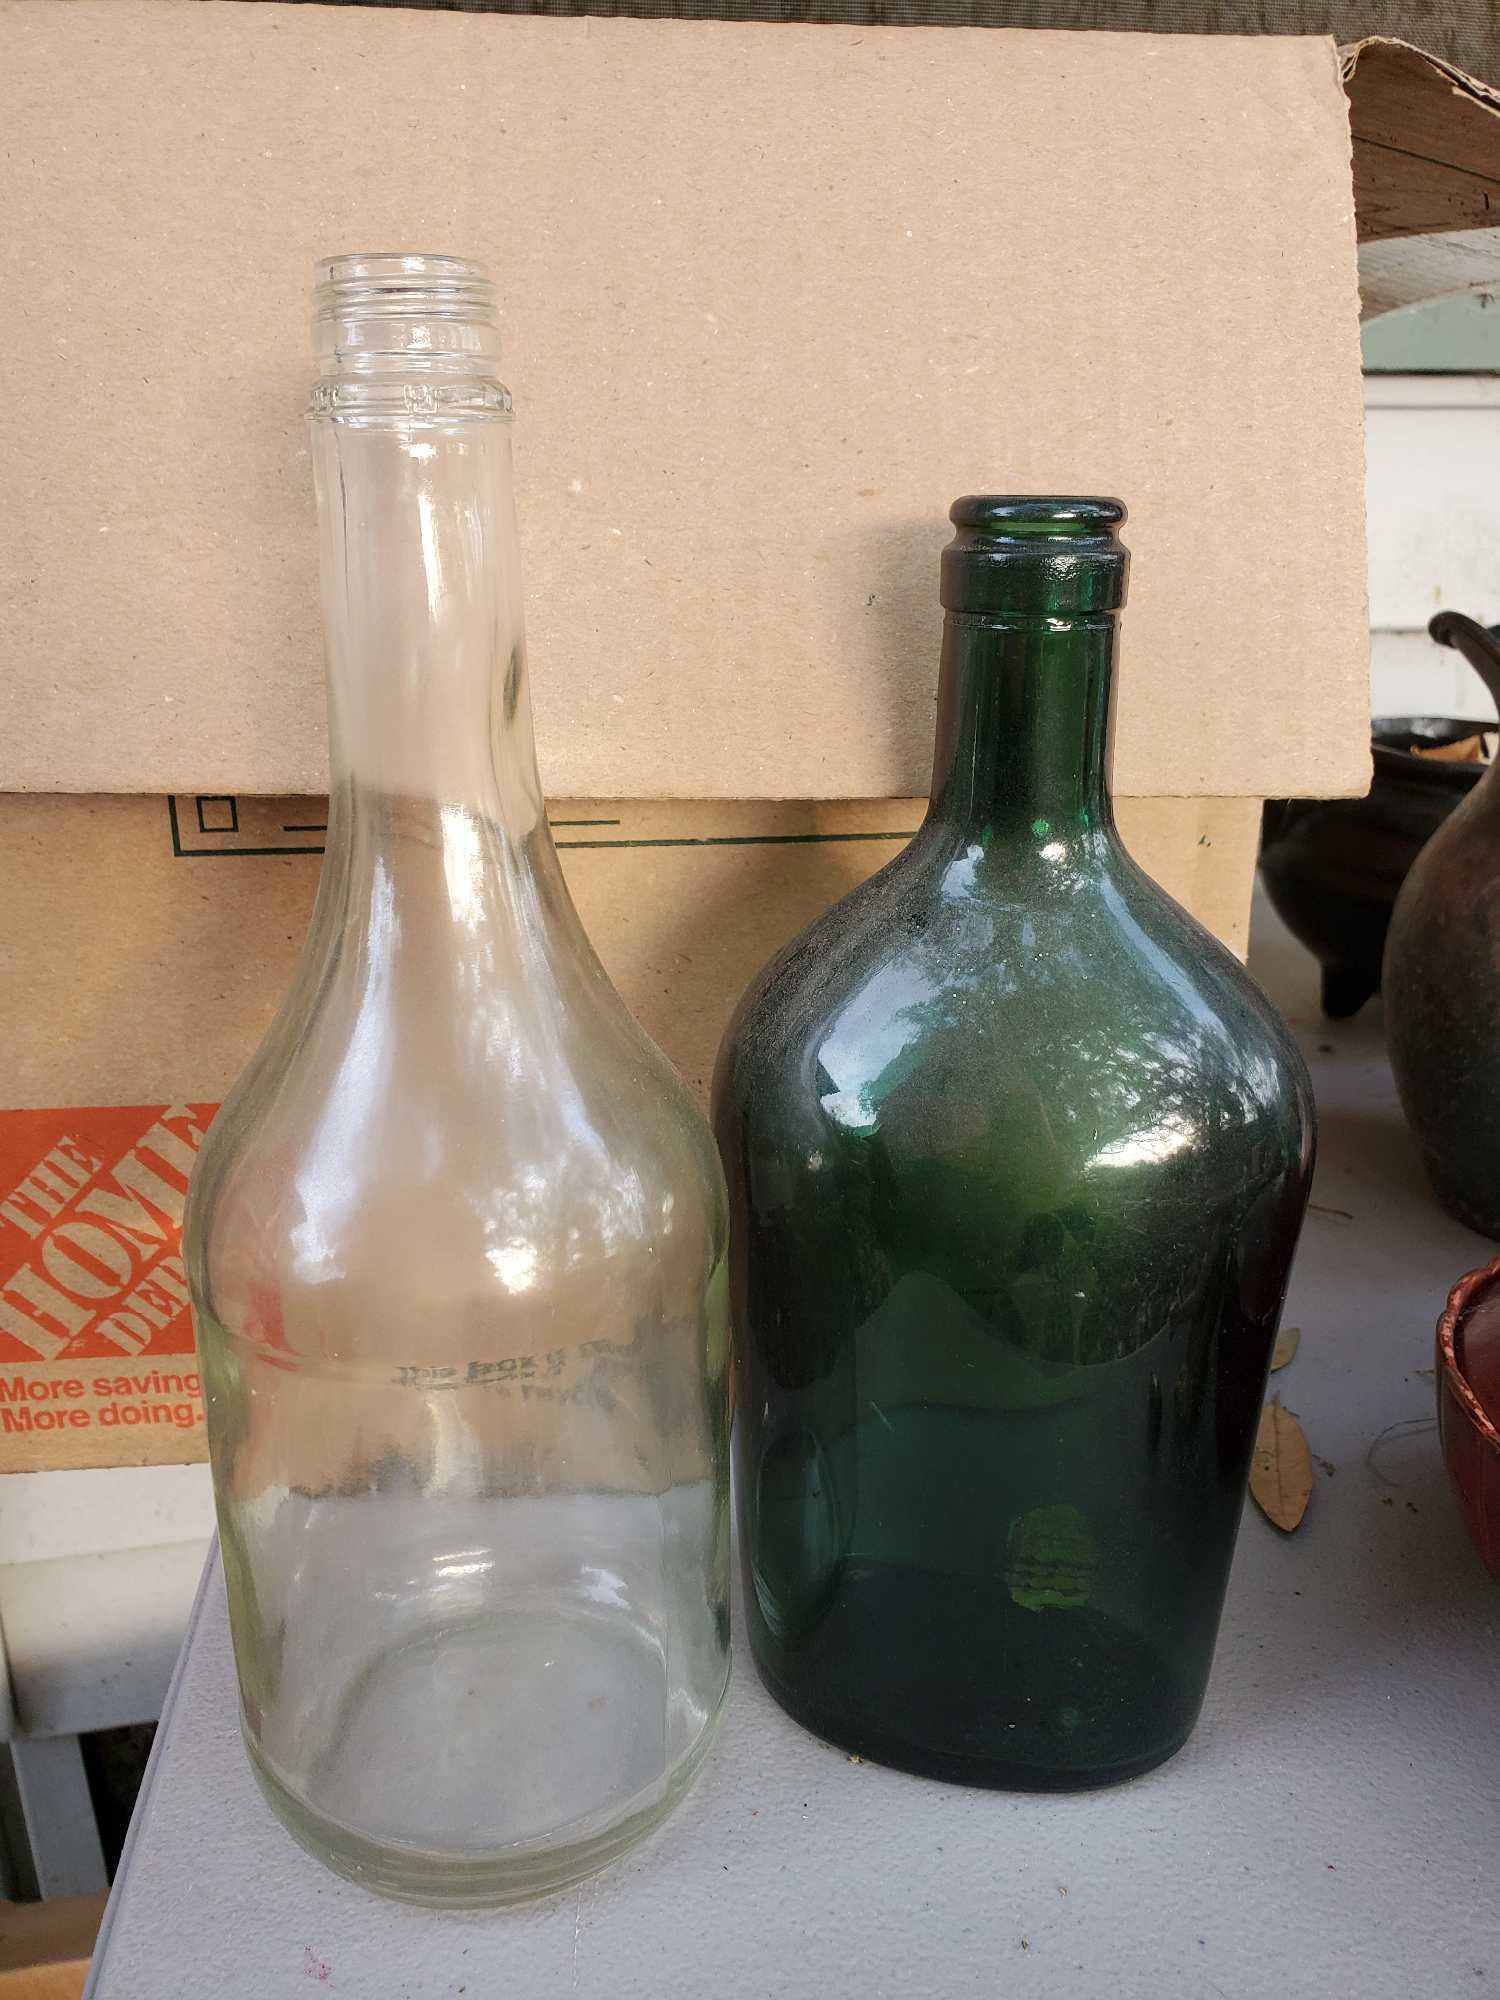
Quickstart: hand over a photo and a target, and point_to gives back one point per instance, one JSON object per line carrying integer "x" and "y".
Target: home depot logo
{"x": 91, "y": 1205}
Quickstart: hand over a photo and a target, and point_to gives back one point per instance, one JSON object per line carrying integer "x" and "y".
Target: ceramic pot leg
{"x": 1346, "y": 988}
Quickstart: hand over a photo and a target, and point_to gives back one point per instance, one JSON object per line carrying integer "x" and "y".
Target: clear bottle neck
{"x": 427, "y": 692}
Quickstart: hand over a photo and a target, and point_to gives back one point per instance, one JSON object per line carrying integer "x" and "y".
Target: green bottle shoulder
{"x": 1071, "y": 970}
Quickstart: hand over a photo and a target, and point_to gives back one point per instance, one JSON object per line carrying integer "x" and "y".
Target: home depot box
{"x": 772, "y": 296}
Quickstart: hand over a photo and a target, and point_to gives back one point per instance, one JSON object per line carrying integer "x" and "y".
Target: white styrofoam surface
{"x": 91, "y": 1640}
{"x": 1332, "y": 1829}
{"x": 47, "y": 1515}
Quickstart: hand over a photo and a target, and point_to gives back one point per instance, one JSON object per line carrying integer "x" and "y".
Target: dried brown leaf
{"x": 1287, "y": 1342}
{"x": 1281, "y": 1473}
{"x": 1467, "y": 750}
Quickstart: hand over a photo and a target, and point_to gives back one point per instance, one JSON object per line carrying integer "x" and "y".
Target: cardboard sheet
{"x": 1426, "y": 170}
{"x": 149, "y": 941}
{"x": 772, "y": 297}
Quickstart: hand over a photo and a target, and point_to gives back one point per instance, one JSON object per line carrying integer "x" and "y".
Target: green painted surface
{"x": 1457, "y": 336}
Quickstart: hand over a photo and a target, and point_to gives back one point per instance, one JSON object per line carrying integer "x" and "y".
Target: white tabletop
{"x": 1332, "y": 1829}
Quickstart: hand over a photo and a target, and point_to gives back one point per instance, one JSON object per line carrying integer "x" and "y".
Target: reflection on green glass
{"x": 1018, "y": 1156}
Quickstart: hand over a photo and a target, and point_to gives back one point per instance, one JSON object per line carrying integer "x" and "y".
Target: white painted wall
{"x": 1432, "y": 487}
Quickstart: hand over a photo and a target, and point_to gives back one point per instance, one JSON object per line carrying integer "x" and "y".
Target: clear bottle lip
{"x": 378, "y": 312}
{"x": 401, "y": 285}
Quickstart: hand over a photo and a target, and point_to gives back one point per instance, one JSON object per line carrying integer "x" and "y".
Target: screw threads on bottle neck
{"x": 399, "y": 312}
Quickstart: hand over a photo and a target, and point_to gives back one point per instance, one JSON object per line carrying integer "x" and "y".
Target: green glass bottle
{"x": 1017, "y": 1158}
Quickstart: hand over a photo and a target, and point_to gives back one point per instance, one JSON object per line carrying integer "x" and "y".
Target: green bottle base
{"x": 949, "y": 1678}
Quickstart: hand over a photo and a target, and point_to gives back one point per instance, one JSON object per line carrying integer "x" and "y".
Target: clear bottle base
{"x": 514, "y": 1874}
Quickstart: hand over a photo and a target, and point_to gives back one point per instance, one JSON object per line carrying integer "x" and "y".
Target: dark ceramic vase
{"x": 1442, "y": 981}
{"x": 1017, "y": 1157}
{"x": 1333, "y": 868}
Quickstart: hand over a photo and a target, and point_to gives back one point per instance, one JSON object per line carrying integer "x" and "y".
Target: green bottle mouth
{"x": 1034, "y": 555}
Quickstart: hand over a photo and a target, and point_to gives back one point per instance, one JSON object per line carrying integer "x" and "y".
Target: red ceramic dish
{"x": 1468, "y": 1399}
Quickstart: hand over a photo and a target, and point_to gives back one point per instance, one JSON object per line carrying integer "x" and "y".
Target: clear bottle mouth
{"x": 375, "y": 311}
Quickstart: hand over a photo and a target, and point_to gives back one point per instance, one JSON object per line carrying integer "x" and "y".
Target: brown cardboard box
{"x": 159, "y": 936}
{"x": 45, "y": 1947}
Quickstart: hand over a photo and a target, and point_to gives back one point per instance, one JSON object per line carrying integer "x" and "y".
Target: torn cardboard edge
{"x": 1426, "y": 162}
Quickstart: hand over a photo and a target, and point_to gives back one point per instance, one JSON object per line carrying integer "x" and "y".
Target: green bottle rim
{"x": 1035, "y": 555}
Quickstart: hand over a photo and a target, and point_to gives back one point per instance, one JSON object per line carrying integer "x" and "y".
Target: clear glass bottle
{"x": 457, "y": 1238}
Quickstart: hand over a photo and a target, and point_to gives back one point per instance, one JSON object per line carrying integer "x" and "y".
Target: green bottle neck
{"x": 1023, "y": 728}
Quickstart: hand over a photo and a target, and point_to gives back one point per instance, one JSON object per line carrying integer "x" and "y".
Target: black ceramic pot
{"x": 1333, "y": 867}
